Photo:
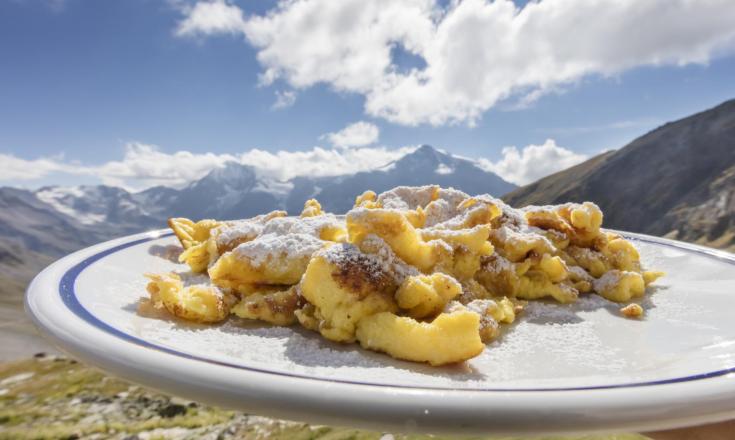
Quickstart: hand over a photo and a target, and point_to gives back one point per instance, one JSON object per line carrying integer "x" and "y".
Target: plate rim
{"x": 409, "y": 395}
{"x": 69, "y": 297}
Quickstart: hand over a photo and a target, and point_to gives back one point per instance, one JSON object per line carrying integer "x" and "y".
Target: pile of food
{"x": 424, "y": 274}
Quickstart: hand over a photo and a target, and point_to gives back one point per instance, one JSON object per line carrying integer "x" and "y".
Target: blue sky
{"x": 81, "y": 80}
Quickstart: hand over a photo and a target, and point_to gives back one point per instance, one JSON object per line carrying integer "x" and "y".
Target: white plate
{"x": 561, "y": 369}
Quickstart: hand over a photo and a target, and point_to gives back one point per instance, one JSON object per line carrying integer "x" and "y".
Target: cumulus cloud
{"x": 284, "y": 99}
{"x": 211, "y": 17}
{"x": 143, "y": 165}
{"x": 476, "y": 52}
{"x": 532, "y": 162}
{"x": 358, "y": 134}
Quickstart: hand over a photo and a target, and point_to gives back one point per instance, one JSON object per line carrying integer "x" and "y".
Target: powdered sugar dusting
{"x": 507, "y": 234}
{"x": 608, "y": 280}
{"x": 268, "y": 246}
{"x": 407, "y": 197}
{"x": 308, "y": 225}
{"x": 509, "y": 216}
{"x": 243, "y": 230}
{"x": 189, "y": 278}
{"x": 580, "y": 273}
{"x": 376, "y": 265}
{"x": 359, "y": 214}
{"x": 445, "y": 207}
{"x": 390, "y": 262}
{"x": 439, "y": 211}
{"x": 497, "y": 264}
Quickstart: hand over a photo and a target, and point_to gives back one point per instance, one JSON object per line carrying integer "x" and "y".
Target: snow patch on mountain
{"x": 443, "y": 169}
{"x": 59, "y": 198}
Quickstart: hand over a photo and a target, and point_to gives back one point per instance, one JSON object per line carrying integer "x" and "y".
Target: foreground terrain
{"x": 55, "y": 397}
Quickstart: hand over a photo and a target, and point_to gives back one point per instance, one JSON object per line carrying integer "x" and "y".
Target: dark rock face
{"x": 678, "y": 180}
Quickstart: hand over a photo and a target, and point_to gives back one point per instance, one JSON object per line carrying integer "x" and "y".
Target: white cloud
{"x": 320, "y": 161}
{"x": 284, "y": 99}
{"x": 477, "y": 52}
{"x": 532, "y": 162}
{"x": 16, "y": 169}
{"x": 211, "y": 17}
{"x": 143, "y": 166}
{"x": 358, "y": 134}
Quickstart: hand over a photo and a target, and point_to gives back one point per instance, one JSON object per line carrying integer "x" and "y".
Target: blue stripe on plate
{"x": 69, "y": 297}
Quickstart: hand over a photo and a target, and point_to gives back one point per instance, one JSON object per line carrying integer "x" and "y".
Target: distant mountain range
{"x": 676, "y": 181}
{"x": 56, "y": 220}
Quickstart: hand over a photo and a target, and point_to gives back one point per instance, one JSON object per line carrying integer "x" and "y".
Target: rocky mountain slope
{"x": 17, "y": 266}
{"x": 676, "y": 181}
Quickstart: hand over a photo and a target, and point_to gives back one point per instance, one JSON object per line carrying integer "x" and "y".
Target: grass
{"x": 58, "y": 398}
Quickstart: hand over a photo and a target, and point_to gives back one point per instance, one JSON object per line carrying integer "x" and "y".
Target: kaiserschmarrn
{"x": 424, "y": 274}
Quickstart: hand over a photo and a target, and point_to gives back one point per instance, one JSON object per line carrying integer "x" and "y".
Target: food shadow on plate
{"x": 547, "y": 312}
{"x": 169, "y": 252}
{"x": 306, "y": 348}
{"x": 309, "y": 349}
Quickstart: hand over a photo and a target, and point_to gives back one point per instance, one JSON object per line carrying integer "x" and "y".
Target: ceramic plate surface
{"x": 560, "y": 369}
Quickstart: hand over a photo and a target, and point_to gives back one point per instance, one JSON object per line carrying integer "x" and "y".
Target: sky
{"x": 138, "y": 93}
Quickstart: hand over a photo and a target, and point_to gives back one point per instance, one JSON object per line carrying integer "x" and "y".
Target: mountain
{"x": 677, "y": 181}
{"x": 56, "y": 220}
{"x": 37, "y": 226}
{"x": 233, "y": 191}
{"x": 97, "y": 204}
{"x": 22, "y": 265}
{"x": 425, "y": 166}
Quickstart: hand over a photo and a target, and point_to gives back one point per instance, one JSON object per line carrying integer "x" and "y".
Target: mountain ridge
{"x": 86, "y": 214}
{"x": 677, "y": 180}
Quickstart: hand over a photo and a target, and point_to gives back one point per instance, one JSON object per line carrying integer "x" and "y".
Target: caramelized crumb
{"x": 632, "y": 310}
